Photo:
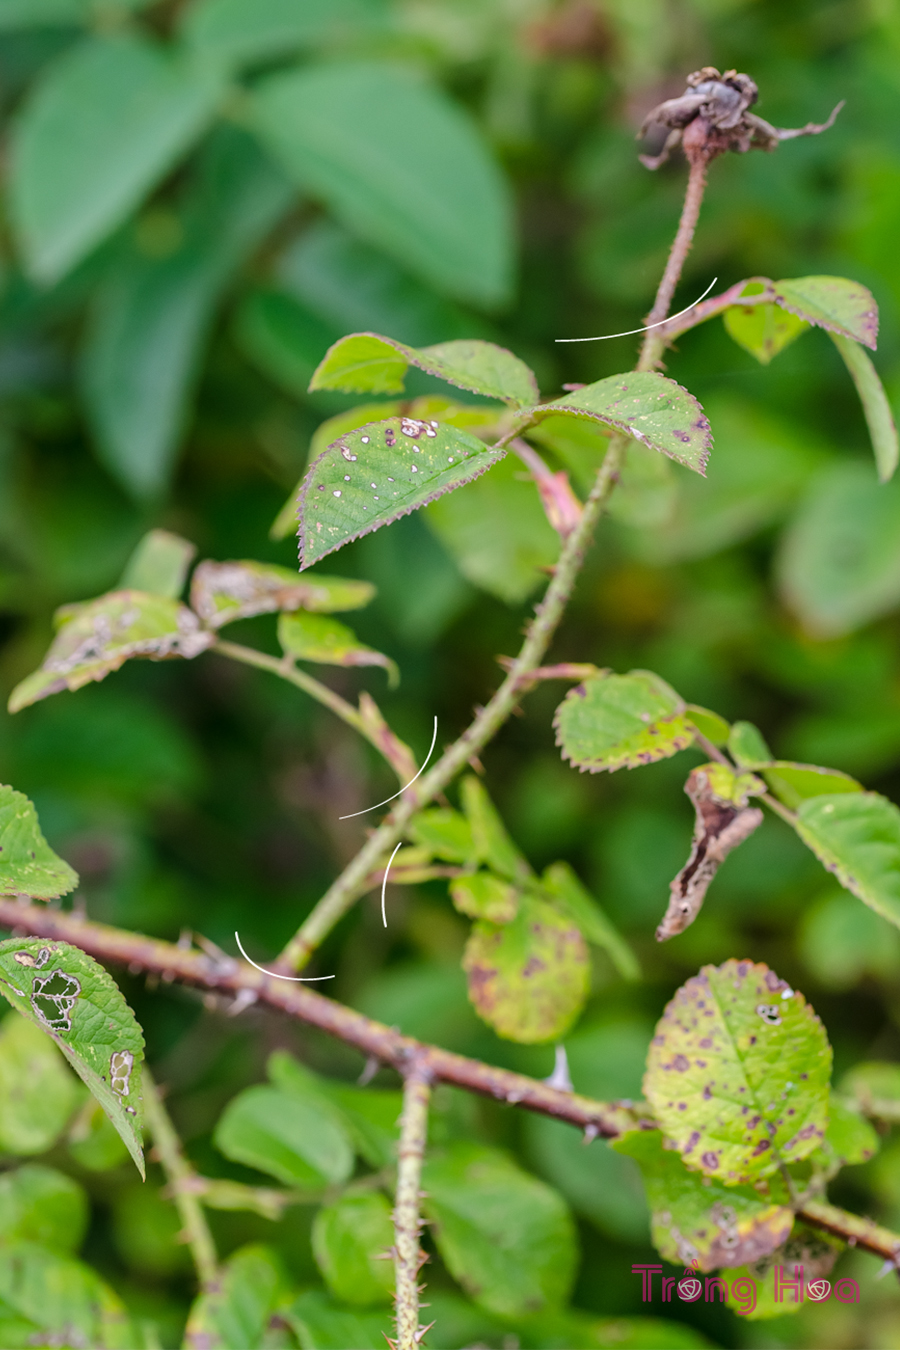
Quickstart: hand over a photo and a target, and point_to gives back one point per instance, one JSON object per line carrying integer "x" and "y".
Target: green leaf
{"x": 224, "y": 592}
{"x": 99, "y": 636}
{"x": 37, "y": 1092}
{"x": 598, "y": 1184}
{"x": 493, "y": 846}
{"x": 615, "y": 721}
{"x": 747, "y": 747}
{"x": 366, "y": 363}
{"x": 446, "y": 832}
{"x": 528, "y": 979}
{"x": 647, "y": 493}
{"x": 841, "y": 306}
{"x": 38, "y": 13}
{"x": 40, "y": 1204}
{"x": 316, "y": 637}
{"x": 560, "y": 883}
{"x": 584, "y": 1331}
{"x": 153, "y": 313}
{"x": 497, "y": 533}
{"x": 62, "y": 1300}
{"x": 97, "y": 132}
{"x": 877, "y": 410}
{"x": 293, "y": 1137}
{"x": 71, "y": 998}
{"x": 28, "y": 865}
{"x": 793, "y": 783}
{"x": 506, "y": 1237}
{"x": 400, "y": 165}
{"x": 698, "y": 1219}
{"x": 839, "y": 566}
{"x": 753, "y": 1060}
{"x": 857, "y": 837}
{"x": 647, "y": 406}
{"x": 709, "y": 724}
{"x": 762, "y": 330}
{"x": 159, "y": 565}
{"x": 235, "y": 33}
{"x": 484, "y": 896}
{"x": 371, "y": 1116}
{"x": 849, "y": 1138}
{"x": 350, "y": 1240}
{"x": 395, "y": 467}
{"x": 320, "y": 1324}
{"x": 235, "y": 1313}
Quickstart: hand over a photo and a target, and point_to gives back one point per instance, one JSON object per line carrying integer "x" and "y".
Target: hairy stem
{"x": 693, "y": 198}
{"x": 180, "y": 1176}
{"x": 408, "y": 1255}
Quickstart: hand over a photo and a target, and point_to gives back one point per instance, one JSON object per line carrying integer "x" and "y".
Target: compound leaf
{"x": 651, "y": 408}
{"x": 613, "y": 721}
{"x": 28, "y": 865}
{"x": 383, "y": 470}
{"x": 350, "y": 1239}
{"x": 857, "y": 837}
{"x": 877, "y": 410}
{"x": 753, "y": 1060}
{"x": 709, "y": 724}
{"x": 316, "y": 637}
{"x": 834, "y": 303}
{"x": 65, "y": 993}
{"x": 224, "y": 592}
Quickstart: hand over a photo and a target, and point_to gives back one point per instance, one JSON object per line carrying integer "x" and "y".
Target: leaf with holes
{"x": 875, "y": 406}
{"x": 69, "y": 996}
{"x": 316, "y": 637}
{"x": 99, "y": 636}
{"x": 695, "y": 1218}
{"x": 762, "y": 330}
{"x": 738, "y": 1071}
{"x": 616, "y": 721}
{"x": 380, "y": 472}
{"x": 857, "y": 837}
{"x": 366, "y": 363}
{"x": 651, "y": 408}
{"x": 841, "y": 306}
{"x": 528, "y": 978}
{"x": 794, "y": 783}
{"x": 224, "y": 592}
{"x": 28, "y": 865}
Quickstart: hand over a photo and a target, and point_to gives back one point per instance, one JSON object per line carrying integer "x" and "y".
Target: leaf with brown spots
{"x": 222, "y": 592}
{"x": 738, "y": 1072}
{"x": 528, "y": 979}
{"x": 616, "y": 721}
{"x": 696, "y": 1219}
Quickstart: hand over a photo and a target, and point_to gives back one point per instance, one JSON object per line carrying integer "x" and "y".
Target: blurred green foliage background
{"x": 161, "y": 381}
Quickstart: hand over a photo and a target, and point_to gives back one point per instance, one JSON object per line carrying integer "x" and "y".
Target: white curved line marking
{"x": 294, "y": 979}
{"x": 405, "y": 786}
{"x": 647, "y": 327}
{"x": 384, "y": 880}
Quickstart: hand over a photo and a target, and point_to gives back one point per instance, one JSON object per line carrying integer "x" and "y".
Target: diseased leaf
{"x": 560, "y": 883}
{"x": 695, "y": 1219}
{"x": 841, "y": 306}
{"x": 747, "y": 747}
{"x": 857, "y": 837}
{"x": 48, "y": 1298}
{"x": 40, "y": 1204}
{"x": 505, "y": 1236}
{"x": 651, "y": 408}
{"x": 366, "y": 363}
{"x": 28, "y": 865}
{"x": 877, "y": 410}
{"x": 762, "y": 330}
{"x": 236, "y": 1312}
{"x": 753, "y": 1060}
{"x": 98, "y": 130}
{"x": 235, "y": 33}
{"x": 810, "y": 1248}
{"x": 37, "y": 1092}
{"x": 224, "y": 592}
{"x": 400, "y": 164}
{"x": 71, "y": 998}
{"x": 159, "y": 565}
{"x": 99, "y": 636}
{"x": 293, "y": 1137}
{"x": 793, "y": 783}
{"x": 322, "y": 1324}
{"x": 493, "y": 845}
{"x": 372, "y": 476}
{"x": 316, "y": 637}
{"x": 350, "y": 1239}
{"x": 528, "y": 978}
{"x": 446, "y": 832}
{"x": 484, "y": 896}
{"x": 616, "y": 721}
{"x": 709, "y": 724}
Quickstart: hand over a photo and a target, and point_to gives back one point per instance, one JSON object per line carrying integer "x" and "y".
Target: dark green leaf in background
{"x": 857, "y": 837}
{"x": 36, "y": 13}
{"x": 236, "y": 1313}
{"x": 37, "y": 1093}
{"x": 877, "y": 410}
{"x": 747, "y": 747}
{"x": 234, "y": 33}
{"x": 844, "y": 307}
{"x": 352, "y": 1239}
{"x": 322, "y": 1324}
{"x": 40, "y": 1204}
{"x": 28, "y": 865}
{"x": 61, "y": 1301}
{"x": 616, "y": 721}
{"x": 849, "y": 1138}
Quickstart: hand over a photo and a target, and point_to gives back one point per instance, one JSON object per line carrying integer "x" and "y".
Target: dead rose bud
{"x": 712, "y": 116}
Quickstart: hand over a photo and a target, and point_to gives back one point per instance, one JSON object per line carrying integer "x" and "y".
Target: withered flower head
{"x": 712, "y": 116}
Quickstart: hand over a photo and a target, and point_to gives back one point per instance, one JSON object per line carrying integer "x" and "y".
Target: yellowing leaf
{"x": 484, "y": 896}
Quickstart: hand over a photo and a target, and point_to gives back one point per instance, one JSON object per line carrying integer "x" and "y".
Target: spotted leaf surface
{"x": 316, "y": 637}
{"x": 528, "y": 978}
{"x": 762, "y": 330}
{"x": 365, "y": 363}
{"x": 99, "y": 636}
{"x": 738, "y": 1072}
{"x": 647, "y": 406}
{"x": 28, "y": 865}
{"x": 621, "y": 721}
{"x": 69, "y": 996}
{"x": 857, "y": 837}
{"x": 380, "y": 472}
{"x": 223, "y": 592}
{"x": 695, "y": 1218}
{"x": 834, "y": 303}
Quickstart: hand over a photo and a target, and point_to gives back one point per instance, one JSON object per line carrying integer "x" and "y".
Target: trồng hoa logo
{"x": 742, "y": 1291}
